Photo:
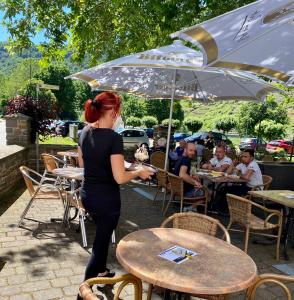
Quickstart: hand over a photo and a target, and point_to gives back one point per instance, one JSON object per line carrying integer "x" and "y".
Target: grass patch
{"x": 57, "y": 140}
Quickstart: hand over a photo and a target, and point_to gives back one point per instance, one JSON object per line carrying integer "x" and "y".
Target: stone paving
{"x": 43, "y": 260}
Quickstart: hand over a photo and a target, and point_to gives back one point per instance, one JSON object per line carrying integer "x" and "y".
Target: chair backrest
{"x": 176, "y": 185}
{"x": 267, "y": 180}
{"x": 198, "y": 223}
{"x": 240, "y": 209}
{"x": 157, "y": 159}
{"x": 50, "y": 162}
{"x": 282, "y": 159}
{"x": 267, "y": 158}
{"x": 27, "y": 176}
{"x": 207, "y": 155}
{"x": 162, "y": 178}
{"x": 271, "y": 279}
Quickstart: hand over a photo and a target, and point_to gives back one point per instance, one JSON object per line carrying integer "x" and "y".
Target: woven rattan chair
{"x": 39, "y": 188}
{"x": 241, "y": 214}
{"x": 271, "y": 279}
{"x": 157, "y": 159}
{"x": 207, "y": 155}
{"x": 177, "y": 190}
{"x": 267, "y": 158}
{"x": 282, "y": 159}
{"x": 162, "y": 185}
{"x": 197, "y": 223}
{"x": 86, "y": 291}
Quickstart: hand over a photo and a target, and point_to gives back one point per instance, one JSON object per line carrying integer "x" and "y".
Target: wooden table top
{"x": 68, "y": 153}
{"x": 278, "y": 196}
{"x": 219, "y": 268}
{"x": 70, "y": 173}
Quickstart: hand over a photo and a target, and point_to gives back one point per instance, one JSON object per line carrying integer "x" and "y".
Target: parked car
{"x": 134, "y": 137}
{"x": 63, "y": 127}
{"x": 149, "y": 132}
{"x": 180, "y": 136}
{"x": 218, "y": 137}
{"x": 251, "y": 143}
{"x": 273, "y": 145}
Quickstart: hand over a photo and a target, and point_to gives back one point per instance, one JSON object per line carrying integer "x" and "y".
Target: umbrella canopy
{"x": 173, "y": 72}
{"x": 258, "y": 37}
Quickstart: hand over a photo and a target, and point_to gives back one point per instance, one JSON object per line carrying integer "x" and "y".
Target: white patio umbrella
{"x": 258, "y": 37}
{"x": 173, "y": 72}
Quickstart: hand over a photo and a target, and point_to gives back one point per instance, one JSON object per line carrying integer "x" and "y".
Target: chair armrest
{"x": 264, "y": 208}
{"x": 257, "y": 187}
{"x": 278, "y": 214}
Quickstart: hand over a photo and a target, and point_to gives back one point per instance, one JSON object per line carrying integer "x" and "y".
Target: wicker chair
{"x": 162, "y": 185}
{"x": 267, "y": 158}
{"x": 197, "y": 223}
{"x": 271, "y": 279}
{"x": 86, "y": 291}
{"x": 177, "y": 189}
{"x": 45, "y": 188}
{"x": 157, "y": 159}
{"x": 241, "y": 214}
{"x": 207, "y": 155}
{"x": 282, "y": 159}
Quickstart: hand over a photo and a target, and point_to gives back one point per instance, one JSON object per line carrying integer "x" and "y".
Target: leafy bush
{"x": 193, "y": 124}
{"x": 270, "y": 130}
{"x": 175, "y": 123}
{"x": 40, "y": 112}
{"x": 226, "y": 124}
{"x": 149, "y": 121}
{"x": 133, "y": 121}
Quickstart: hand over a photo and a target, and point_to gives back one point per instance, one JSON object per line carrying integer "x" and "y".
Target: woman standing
{"x": 101, "y": 155}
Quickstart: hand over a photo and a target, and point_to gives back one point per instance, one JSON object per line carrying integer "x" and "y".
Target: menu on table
{"x": 177, "y": 254}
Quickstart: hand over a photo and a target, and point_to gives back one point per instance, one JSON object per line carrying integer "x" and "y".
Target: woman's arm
{"x": 80, "y": 157}
{"x": 121, "y": 175}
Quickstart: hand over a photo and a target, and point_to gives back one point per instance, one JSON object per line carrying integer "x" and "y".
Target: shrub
{"x": 133, "y": 121}
{"x": 149, "y": 121}
{"x": 40, "y": 112}
{"x": 193, "y": 124}
{"x": 226, "y": 124}
{"x": 175, "y": 123}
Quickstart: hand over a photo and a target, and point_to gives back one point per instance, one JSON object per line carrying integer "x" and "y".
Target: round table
{"x": 219, "y": 268}
{"x": 68, "y": 153}
{"x": 70, "y": 173}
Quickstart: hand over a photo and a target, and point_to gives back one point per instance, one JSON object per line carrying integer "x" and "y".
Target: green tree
{"x": 54, "y": 74}
{"x": 175, "y": 123}
{"x": 82, "y": 93}
{"x": 149, "y": 121}
{"x": 226, "y": 124}
{"x": 270, "y": 129}
{"x": 251, "y": 114}
{"x": 133, "y": 121}
{"x": 111, "y": 24}
{"x": 133, "y": 106}
{"x": 193, "y": 124}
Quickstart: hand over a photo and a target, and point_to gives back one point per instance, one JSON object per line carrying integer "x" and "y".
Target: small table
{"x": 219, "y": 268}
{"x": 69, "y": 154}
{"x": 279, "y": 196}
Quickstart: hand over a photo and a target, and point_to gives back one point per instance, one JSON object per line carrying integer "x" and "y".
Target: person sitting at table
{"x": 220, "y": 162}
{"x": 181, "y": 148}
{"x": 101, "y": 154}
{"x": 192, "y": 185}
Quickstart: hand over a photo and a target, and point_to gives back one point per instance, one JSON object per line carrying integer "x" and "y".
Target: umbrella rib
{"x": 245, "y": 44}
{"x": 203, "y": 95}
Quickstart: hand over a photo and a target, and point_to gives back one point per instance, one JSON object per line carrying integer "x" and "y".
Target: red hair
{"x": 95, "y": 109}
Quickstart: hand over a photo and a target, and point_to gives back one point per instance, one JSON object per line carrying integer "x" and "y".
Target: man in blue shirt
{"x": 192, "y": 185}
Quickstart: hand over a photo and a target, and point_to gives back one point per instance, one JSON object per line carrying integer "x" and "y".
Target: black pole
{"x": 292, "y": 149}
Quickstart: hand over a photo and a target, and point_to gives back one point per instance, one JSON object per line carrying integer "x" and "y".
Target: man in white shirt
{"x": 220, "y": 162}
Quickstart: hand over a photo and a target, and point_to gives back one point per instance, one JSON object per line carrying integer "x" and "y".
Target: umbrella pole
{"x": 170, "y": 121}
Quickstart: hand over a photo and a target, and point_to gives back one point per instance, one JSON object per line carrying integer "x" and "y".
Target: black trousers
{"x": 105, "y": 224}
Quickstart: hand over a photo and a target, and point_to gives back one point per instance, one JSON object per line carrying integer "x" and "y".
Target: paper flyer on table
{"x": 287, "y": 195}
{"x": 177, "y": 254}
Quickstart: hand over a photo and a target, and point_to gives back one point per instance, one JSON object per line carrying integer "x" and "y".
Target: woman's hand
{"x": 197, "y": 184}
{"x": 145, "y": 173}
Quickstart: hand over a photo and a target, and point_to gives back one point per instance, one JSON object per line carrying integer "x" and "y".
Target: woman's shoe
{"x": 107, "y": 274}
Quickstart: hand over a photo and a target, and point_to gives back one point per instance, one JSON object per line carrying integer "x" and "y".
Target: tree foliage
{"x": 133, "y": 106}
{"x": 39, "y": 111}
{"x": 251, "y": 114}
{"x": 226, "y": 124}
{"x": 133, "y": 121}
{"x": 111, "y": 24}
{"x": 193, "y": 124}
{"x": 149, "y": 121}
{"x": 270, "y": 130}
{"x": 175, "y": 123}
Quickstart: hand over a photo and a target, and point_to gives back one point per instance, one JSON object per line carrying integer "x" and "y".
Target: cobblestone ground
{"x": 46, "y": 261}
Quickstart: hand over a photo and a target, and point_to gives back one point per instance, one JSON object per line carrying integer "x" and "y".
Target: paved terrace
{"x": 46, "y": 261}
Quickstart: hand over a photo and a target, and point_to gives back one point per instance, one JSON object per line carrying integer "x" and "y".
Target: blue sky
{"x": 4, "y": 34}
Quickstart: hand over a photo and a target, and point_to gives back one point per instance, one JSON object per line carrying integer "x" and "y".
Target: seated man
{"x": 220, "y": 162}
{"x": 192, "y": 185}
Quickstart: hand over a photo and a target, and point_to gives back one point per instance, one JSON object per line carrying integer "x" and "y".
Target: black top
{"x": 97, "y": 145}
{"x": 184, "y": 161}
